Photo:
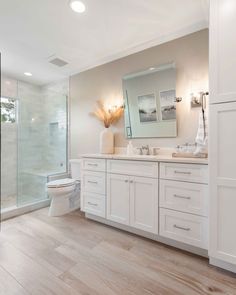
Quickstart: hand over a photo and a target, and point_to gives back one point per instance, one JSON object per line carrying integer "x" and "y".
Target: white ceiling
{"x": 33, "y": 30}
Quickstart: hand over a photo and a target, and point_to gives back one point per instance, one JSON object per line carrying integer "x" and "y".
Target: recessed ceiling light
{"x": 77, "y": 6}
{"x": 28, "y": 74}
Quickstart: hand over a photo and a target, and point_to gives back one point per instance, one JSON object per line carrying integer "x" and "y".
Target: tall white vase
{"x": 106, "y": 141}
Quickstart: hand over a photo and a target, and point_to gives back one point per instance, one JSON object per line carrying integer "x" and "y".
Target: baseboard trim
{"x": 222, "y": 264}
{"x": 157, "y": 238}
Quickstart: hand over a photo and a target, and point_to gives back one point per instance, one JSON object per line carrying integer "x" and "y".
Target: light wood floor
{"x": 71, "y": 255}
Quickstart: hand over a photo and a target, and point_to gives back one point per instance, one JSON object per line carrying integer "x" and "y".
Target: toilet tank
{"x": 75, "y": 166}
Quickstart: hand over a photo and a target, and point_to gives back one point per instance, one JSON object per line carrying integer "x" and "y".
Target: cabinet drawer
{"x": 187, "y": 228}
{"x": 94, "y": 164}
{"x": 94, "y": 182}
{"x": 94, "y": 204}
{"x": 136, "y": 168}
{"x": 184, "y": 196}
{"x": 185, "y": 172}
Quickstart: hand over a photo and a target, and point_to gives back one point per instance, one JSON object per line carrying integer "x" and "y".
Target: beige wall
{"x": 190, "y": 54}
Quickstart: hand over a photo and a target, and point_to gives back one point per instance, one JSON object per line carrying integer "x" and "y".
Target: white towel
{"x": 202, "y": 134}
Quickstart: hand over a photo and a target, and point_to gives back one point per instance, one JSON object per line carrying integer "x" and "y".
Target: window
{"x": 8, "y": 110}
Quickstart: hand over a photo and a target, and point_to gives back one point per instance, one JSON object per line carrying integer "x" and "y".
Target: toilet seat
{"x": 65, "y": 182}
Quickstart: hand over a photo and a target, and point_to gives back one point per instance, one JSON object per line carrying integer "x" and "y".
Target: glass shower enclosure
{"x": 34, "y": 141}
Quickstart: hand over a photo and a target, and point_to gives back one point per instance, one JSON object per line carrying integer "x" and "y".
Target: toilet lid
{"x": 61, "y": 182}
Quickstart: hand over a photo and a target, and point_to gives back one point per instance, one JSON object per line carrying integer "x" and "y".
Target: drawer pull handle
{"x": 91, "y": 164}
{"x": 93, "y": 182}
{"x": 183, "y": 228}
{"x": 92, "y": 204}
{"x": 182, "y": 197}
{"x": 183, "y": 172}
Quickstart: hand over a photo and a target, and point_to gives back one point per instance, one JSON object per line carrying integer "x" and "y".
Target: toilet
{"x": 65, "y": 193}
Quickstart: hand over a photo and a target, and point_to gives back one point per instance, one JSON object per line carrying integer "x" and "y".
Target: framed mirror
{"x": 150, "y": 107}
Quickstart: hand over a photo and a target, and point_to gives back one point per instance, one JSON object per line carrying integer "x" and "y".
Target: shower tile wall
{"x": 31, "y": 130}
{"x": 30, "y": 126}
{"x": 55, "y": 150}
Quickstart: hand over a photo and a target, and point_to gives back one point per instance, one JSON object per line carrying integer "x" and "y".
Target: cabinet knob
{"x": 131, "y": 181}
{"x": 126, "y": 180}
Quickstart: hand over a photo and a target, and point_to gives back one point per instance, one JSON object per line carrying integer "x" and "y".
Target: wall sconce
{"x": 113, "y": 108}
{"x": 197, "y": 99}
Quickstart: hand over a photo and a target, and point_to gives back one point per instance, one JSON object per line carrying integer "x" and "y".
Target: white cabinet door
{"x": 144, "y": 204}
{"x": 94, "y": 204}
{"x": 118, "y": 198}
{"x": 222, "y": 51}
{"x": 184, "y": 172}
{"x": 93, "y": 182}
{"x": 184, "y": 196}
{"x": 183, "y": 227}
{"x": 222, "y": 151}
{"x": 92, "y": 164}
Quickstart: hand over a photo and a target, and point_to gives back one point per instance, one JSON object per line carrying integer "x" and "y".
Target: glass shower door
{"x": 8, "y": 153}
{"x": 42, "y": 141}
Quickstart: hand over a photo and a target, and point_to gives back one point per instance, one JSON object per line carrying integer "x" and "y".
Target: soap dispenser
{"x": 130, "y": 148}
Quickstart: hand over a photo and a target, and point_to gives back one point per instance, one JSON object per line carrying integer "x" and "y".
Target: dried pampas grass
{"x": 107, "y": 116}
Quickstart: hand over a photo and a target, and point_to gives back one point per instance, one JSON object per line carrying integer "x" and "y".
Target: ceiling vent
{"x": 58, "y": 62}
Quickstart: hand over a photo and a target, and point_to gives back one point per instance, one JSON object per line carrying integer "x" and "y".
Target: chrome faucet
{"x": 144, "y": 150}
{"x": 147, "y": 149}
{"x": 140, "y": 150}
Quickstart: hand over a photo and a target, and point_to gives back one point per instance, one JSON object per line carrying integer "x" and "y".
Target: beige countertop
{"x": 151, "y": 158}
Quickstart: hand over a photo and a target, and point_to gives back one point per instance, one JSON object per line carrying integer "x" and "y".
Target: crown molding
{"x": 145, "y": 45}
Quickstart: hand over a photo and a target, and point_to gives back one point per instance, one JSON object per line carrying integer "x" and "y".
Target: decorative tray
{"x": 189, "y": 155}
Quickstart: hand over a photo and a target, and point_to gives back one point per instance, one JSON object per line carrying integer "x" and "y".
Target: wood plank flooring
{"x": 71, "y": 255}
